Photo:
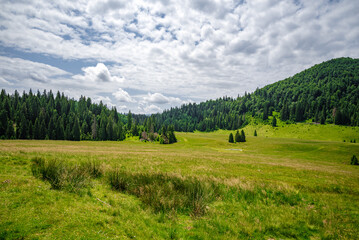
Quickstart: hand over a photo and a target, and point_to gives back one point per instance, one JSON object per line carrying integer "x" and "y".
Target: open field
{"x": 272, "y": 187}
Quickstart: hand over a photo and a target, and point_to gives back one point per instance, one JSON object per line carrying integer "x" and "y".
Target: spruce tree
{"x": 243, "y": 136}
{"x": 255, "y": 133}
{"x": 76, "y": 130}
{"x": 171, "y": 134}
{"x": 10, "y": 133}
{"x": 354, "y": 160}
{"x": 230, "y": 139}
{"x": 274, "y": 122}
{"x": 237, "y": 137}
{"x": 129, "y": 121}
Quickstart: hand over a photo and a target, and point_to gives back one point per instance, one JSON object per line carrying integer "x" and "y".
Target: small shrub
{"x": 354, "y": 160}
{"x": 165, "y": 193}
{"x": 94, "y": 168}
{"x": 64, "y": 175}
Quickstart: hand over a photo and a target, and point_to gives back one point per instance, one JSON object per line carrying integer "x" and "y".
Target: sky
{"x": 147, "y": 56}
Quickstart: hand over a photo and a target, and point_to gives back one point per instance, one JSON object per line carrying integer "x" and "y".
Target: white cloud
{"x": 123, "y": 96}
{"x": 24, "y": 73}
{"x": 100, "y": 73}
{"x": 152, "y": 109}
{"x": 159, "y": 98}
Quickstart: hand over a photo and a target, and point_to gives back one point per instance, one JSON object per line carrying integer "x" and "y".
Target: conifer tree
{"x": 76, "y": 130}
{"x": 274, "y": 122}
{"x": 243, "y": 136}
{"x": 230, "y": 139}
{"x": 10, "y": 133}
{"x": 237, "y": 137}
{"x": 255, "y": 133}
{"x": 129, "y": 121}
{"x": 354, "y": 160}
{"x": 171, "y": 135}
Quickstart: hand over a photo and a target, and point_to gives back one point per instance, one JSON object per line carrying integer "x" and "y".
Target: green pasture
{"x": 291, "y": 182}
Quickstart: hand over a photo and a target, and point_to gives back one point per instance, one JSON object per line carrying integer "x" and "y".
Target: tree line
{"x": 45, "y": 116}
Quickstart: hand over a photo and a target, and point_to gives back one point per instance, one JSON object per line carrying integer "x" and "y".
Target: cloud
{"x": 123, "y": 96}
{"x": 159, "y": 98}
{"x": 152, "y": 109}
{"x": 20, "y": 72}
{"x": 100, "y": 73}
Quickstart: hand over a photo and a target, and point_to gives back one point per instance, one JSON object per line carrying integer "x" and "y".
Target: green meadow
{"x": 290, "y": 182}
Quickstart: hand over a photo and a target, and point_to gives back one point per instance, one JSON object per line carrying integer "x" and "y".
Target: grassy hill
{"x": 270, "y": 187}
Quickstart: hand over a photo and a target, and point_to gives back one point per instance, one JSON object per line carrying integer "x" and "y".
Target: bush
{"x": 64, "y": 175}
{"x": 94, "y": 168}
{"x": 164, "y": 192}
{"x": 354, "y": 160}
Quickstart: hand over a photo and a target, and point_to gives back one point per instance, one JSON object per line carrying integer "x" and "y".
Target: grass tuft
{"x": 64, "y": 175}
{"x": 164, "y": 192}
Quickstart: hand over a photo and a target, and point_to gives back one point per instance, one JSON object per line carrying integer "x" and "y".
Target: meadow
{"x": 290, "y": 182}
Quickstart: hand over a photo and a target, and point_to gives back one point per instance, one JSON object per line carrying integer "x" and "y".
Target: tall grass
{"x": 64, "y": 175}
{"x": 164, "y": 192}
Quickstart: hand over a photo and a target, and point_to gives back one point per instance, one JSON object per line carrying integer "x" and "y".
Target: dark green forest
{"x": 45, "y": 116}
{"x": 325, "y": 93}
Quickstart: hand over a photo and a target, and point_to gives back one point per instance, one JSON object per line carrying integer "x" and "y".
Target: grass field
{"x": 287, "y": 183}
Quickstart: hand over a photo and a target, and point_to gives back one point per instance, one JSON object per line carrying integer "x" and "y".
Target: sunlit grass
{"x": 269, "y": 187}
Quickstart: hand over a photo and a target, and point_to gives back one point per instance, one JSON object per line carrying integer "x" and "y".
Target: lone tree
{"x": 354, "y": 160}
{"x": 237, "y": 137}
{"x": 231, "y": 138}
{"x": 274, "y": 122}
{"x": 243, "y": 136}
{"x": 255, "y": 133}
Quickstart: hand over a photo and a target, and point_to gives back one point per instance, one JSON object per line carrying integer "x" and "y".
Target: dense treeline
{"x": 326, "y": 93}
{"x": 45, "y": 116}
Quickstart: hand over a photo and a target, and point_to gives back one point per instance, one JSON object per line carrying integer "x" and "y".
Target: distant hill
{"x": 326, "y": 93}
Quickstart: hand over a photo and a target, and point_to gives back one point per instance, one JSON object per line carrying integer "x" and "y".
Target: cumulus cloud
{"x": 159, "y": 98}
{"x": 152, "y": 109}
{"x": 123, "y": 96}
{"x": 100, "y": 73}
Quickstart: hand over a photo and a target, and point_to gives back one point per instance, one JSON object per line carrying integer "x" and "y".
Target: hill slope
{"x": 326, "y": 93}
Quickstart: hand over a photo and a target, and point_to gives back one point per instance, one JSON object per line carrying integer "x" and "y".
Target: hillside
{"x": 326, "y": 93}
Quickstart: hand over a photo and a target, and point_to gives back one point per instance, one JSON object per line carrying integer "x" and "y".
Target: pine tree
{"x": 10, "y": 133}
{"x": 76, "y": 130}
{"x": 22, "y": 131}
{"x": 109, "y": 130}
{"x": 354, "y": 160}
{"x": 129, "y": 121}
{"x": 255, "y": 133}
{"x": 3, "y": 123}
{"x": 274, "y": 122}
{"x": 243, "y": 136}
{"x": 237, "y": 137}
{"x": 171, "y": 135}
{"x": 94, "y": 128}
{"x": 42, "y": 132}
{"x": 102, "y": 130}
{"x": 230, "y": 139}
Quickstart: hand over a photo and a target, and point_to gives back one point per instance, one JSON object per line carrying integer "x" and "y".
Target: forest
{"x": 325, "y": 93}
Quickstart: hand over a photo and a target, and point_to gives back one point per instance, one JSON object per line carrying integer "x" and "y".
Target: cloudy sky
{"x": 146, "y": 56}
